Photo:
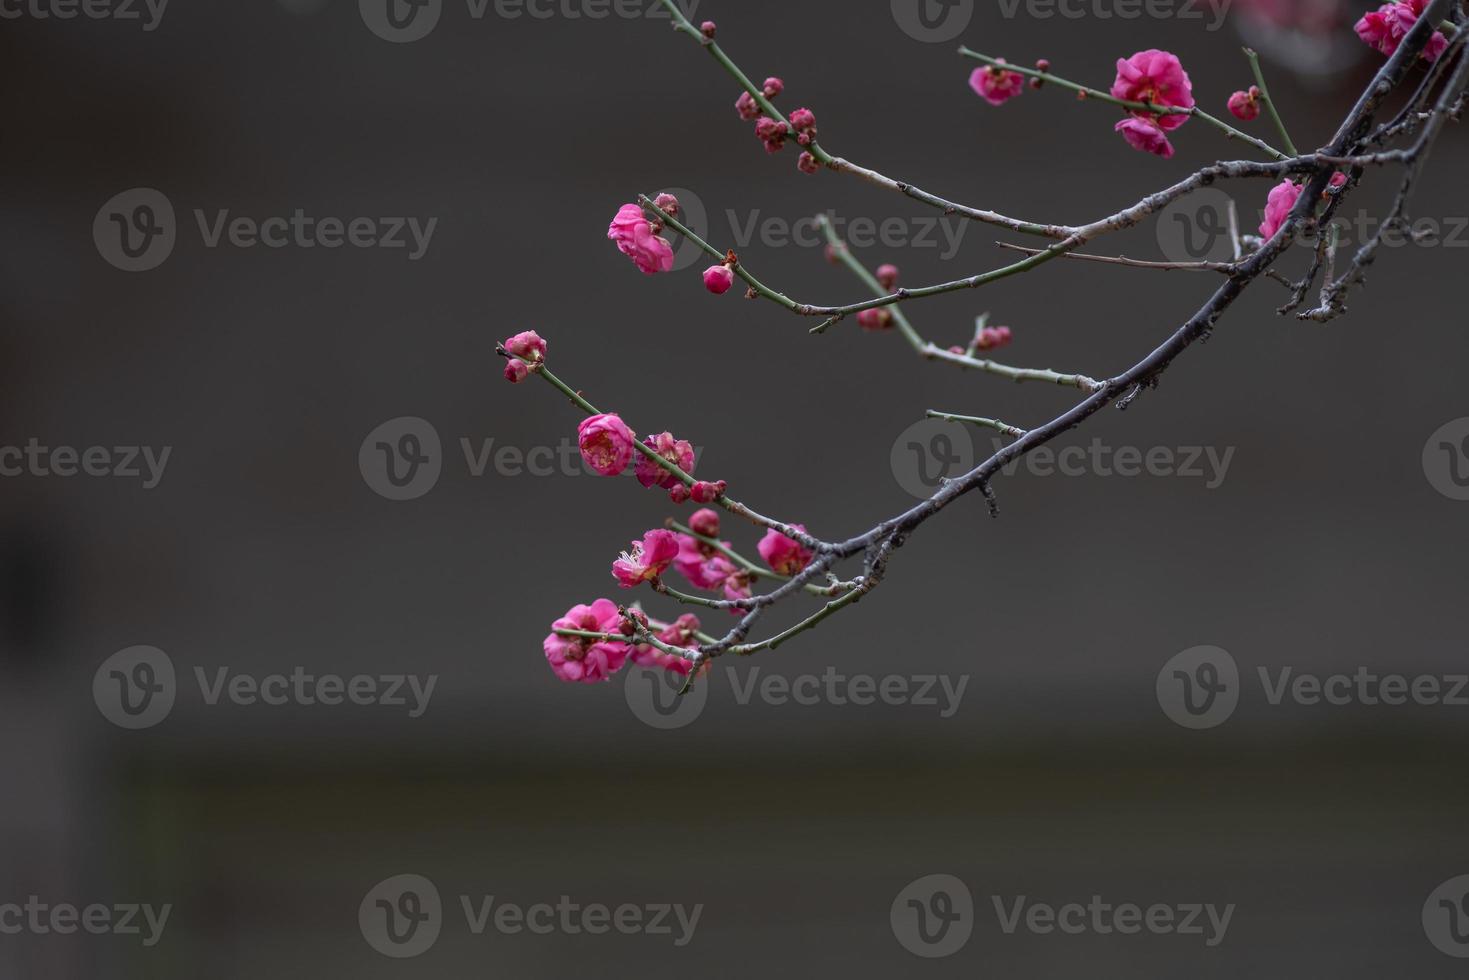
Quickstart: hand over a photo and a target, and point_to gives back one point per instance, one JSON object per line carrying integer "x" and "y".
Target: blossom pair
{"x": 1154, "y": 78}
{"x": 607, "y": 445}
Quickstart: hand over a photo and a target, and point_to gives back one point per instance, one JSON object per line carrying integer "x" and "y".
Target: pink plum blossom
{"x": 747, "y": 107}
{"x": 785, "y": 555}
{"x": 634, "y": 236}
{"x": 996, "y": 85}
{"x": 1282, "y": 198}
{"x": 528, "y": 345}
{"x": 1145, "y": 135}
{"x": 701, "y": 564}
{"x": 648, "y": 559}
{"x": 516, "y": 370}
{"x": 676, "y": 451}
{"x": 1385, "y": 28}
{"x": 680, "y": 633}
{"x": 582, "y": 659}
{"x": 1157, "y": 78}
{"x": 606, "y": 444}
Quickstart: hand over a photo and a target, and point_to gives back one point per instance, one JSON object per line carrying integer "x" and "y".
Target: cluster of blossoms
{"x": 1385, "y": 28}
{"x": 587, "y": 660}
{"x": 774, "y": 132}
{"x": 583, "y": 645}
{"x": 587, "y": 645}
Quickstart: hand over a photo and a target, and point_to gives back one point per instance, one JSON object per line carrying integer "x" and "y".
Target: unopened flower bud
{"x": 747, "y": 107}
{"x": 708, "y": 29}
{"x": 516, "y": 370}
{"x": 803, "y": 119}
{"x": 678, "y": 493}
{"x": 667, "y": 203}
{"x": 705, "y": 522}
{"x": 807, "y": 164}
{"x": 773, "y": 87}
{"x": 704, "y": 493}
{"x": 887, "y": 276}
{"x": 718, "y": 279}
{"x": 875, "y": 319}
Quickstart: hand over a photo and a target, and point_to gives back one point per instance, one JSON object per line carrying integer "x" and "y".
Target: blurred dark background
{"x": 263, "y": 548}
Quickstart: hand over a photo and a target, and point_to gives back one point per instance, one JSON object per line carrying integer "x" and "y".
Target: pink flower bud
{"x": 887, "y": 276}
{"x": 718, "y": 279}
{"x": 705, "y": 493}
{"x": 705, "y": 522}
{"x": 875, "y": 319}
{"x": 773, "y": 87}
{"x": 1245, "y": 106}
{"x": 678, "y": 493}
{"x": 667, "y": 203}
{"x": 807, "y": 164}
{"x": 708, "y": 29}
{"x": 803, "y": 119}
{"x": 528, "y": 345}
{"x": 833, "y": 254}
{"x": 516, "y": 370}
{"x": 770, "y": 129}
{"x": 606, "y": 444}
{"x": 992, "y": 338}
{"x": 747, "y": 107}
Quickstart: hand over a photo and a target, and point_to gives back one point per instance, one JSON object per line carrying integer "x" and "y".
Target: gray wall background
{"x": 1325, "y": 548}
